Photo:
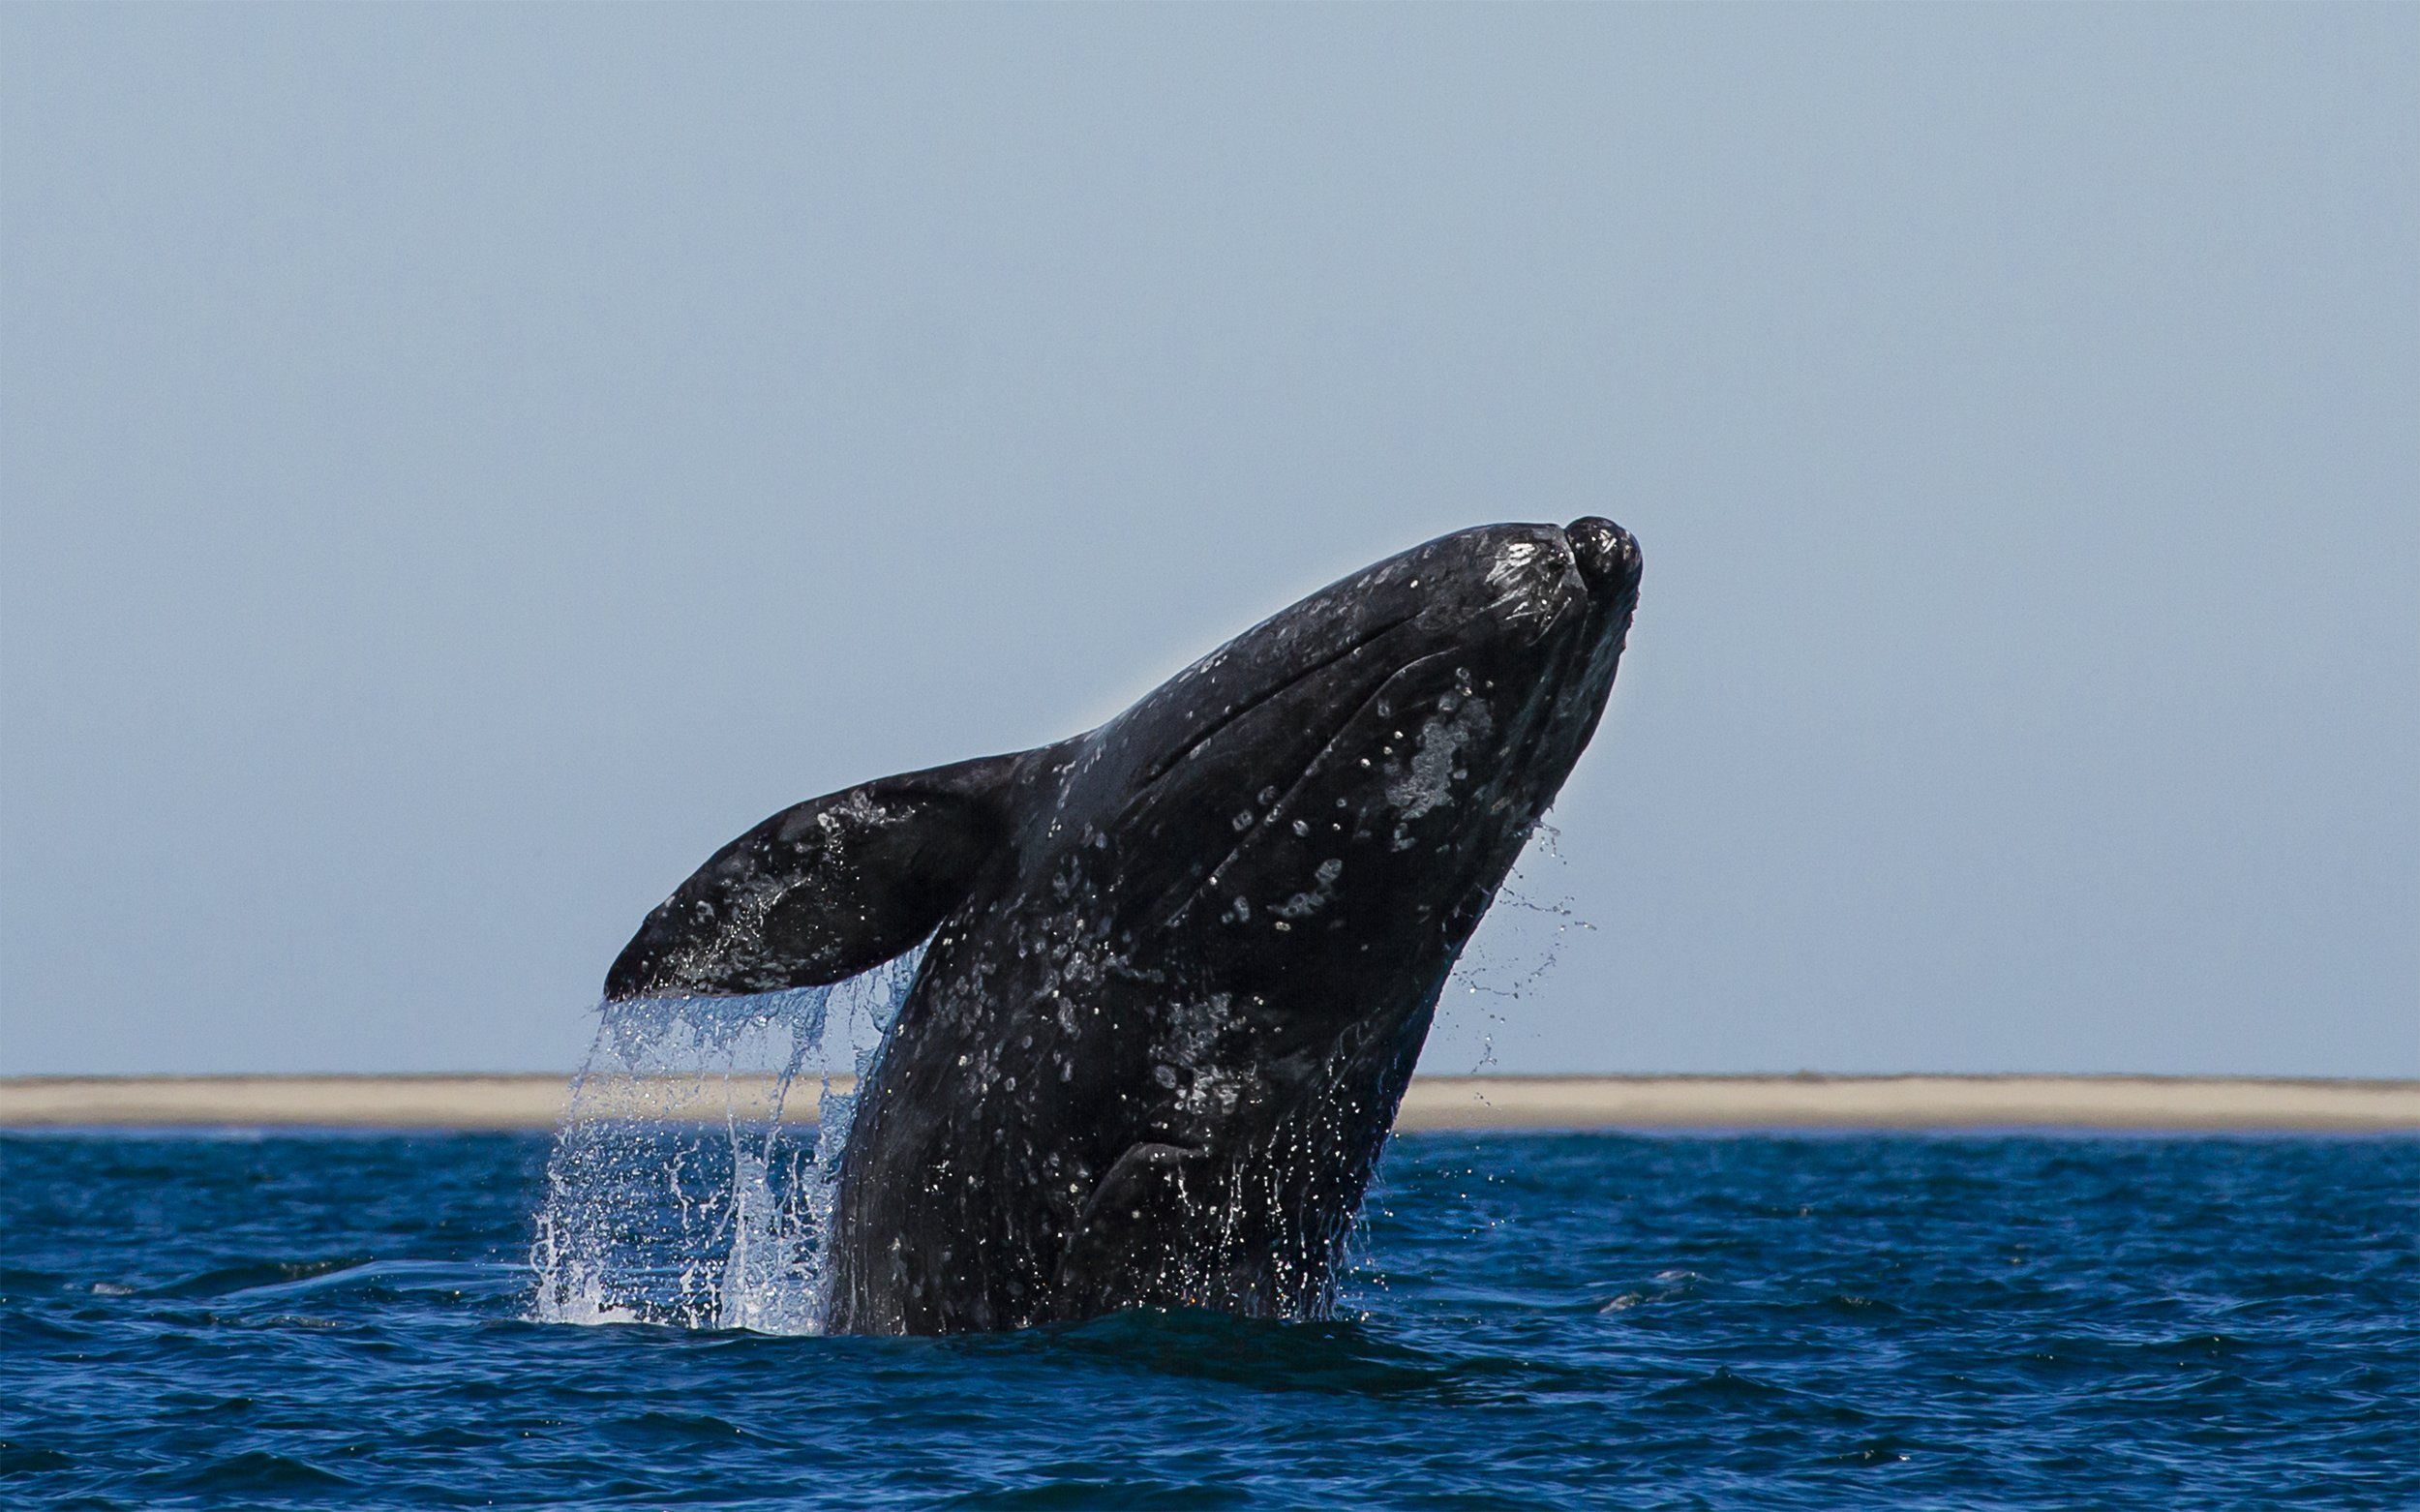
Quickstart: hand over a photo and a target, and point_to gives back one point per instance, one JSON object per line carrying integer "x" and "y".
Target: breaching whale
{"x": 1179, "y": 967}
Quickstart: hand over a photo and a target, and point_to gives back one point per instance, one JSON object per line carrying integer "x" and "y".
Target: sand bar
{"x": 1805, "y": 1102}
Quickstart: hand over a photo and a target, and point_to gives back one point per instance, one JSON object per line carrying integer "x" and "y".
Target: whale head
{"x": 1312, "y": 818}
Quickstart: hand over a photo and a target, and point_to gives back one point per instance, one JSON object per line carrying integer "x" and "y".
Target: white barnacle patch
{"x": 1427, "y": 782}
{"x": 1302, "y": 905}
{"x": 1511, "y": 562}
{"x": 1188, "y": 1062}
{"x": 1214, "y": 1092}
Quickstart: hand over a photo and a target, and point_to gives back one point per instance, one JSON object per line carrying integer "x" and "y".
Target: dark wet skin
{"x": 1181, "y": 966}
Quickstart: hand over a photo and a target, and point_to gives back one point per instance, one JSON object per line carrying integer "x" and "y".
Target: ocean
{"x": 1532, "y": 1321}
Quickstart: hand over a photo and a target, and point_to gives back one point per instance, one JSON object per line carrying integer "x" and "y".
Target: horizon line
{"x": 528, "y": 1101}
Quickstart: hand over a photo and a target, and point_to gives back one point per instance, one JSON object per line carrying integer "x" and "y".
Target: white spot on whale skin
{"x": 1304, "y": 904}
{"x": 1426, "y": 783}
{"x": 1511, "y": 563}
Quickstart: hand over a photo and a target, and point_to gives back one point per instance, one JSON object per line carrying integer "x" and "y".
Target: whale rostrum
{"x": 1179, "y": 967}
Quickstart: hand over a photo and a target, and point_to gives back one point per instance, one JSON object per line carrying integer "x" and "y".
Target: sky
{"x": 460, "y": 465}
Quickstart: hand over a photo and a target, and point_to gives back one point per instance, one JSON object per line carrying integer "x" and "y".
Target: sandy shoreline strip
{"x": 1803, "y": 1101}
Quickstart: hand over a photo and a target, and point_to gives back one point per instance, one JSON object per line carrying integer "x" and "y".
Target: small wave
{"x": 392, "y": 1277}
{"x": 1723, "y": 1385}
{"x": 675, "y": 1427}
{"x": 1868, "y": 1455}
{"x": 15, "y": 1281}
{"x": 253, "y": 1276}
{"x": 254, "y": 1472}
{"x": 1338, "y": 1357}
{"x": 17, "y": 1459}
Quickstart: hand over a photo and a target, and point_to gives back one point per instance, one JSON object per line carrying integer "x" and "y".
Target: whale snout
{"x": 1607, "y": 556}
{"x": 1528, "y": 580}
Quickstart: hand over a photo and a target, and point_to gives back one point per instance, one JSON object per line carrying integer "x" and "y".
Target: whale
{"x": 1177, "y": 969}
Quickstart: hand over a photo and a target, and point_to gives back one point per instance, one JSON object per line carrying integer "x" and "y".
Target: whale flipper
{"x": 1123, "y": 1244}
{"x": 825, "y": 889}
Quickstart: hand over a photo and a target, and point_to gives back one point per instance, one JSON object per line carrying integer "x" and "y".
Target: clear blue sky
{"x": 464, "y": 463}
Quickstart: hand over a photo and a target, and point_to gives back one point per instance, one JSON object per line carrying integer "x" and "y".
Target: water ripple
{"x": 1555, "y": 1321}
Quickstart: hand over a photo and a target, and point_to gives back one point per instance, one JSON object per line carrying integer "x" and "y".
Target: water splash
{"x": 1516, "y": 949}
{"x": 684, "y": 1189}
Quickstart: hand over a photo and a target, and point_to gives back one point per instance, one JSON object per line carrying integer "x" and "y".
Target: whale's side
{"x": 1181, "y": 966}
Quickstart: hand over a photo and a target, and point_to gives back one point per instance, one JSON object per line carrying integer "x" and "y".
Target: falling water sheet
{"x": 654, "y": 1214}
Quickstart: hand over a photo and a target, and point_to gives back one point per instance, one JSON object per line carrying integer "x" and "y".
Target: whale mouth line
{"x": 1176, "y": 758}
{"x": 1214, "y": 875}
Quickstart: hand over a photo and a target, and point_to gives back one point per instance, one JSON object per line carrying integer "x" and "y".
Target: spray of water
{"x": 1515, "y": 952}
{"x": 1516, "y": 949}
{"x": 685, "y": 1188}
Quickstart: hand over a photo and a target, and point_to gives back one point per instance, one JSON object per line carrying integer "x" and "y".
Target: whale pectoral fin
{"x": 824, "y": 889}
{"x": 1126, "y": 1247}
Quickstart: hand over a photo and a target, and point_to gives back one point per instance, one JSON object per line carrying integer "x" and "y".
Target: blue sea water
{"x": 1533, "y": 1321}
